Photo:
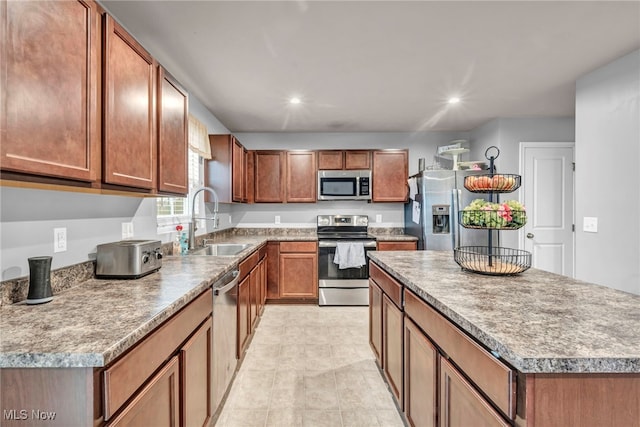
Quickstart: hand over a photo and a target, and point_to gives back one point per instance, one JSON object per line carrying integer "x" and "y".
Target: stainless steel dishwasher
{"x": 225, "y": 300}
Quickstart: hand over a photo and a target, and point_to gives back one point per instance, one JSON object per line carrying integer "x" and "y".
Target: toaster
{"x": 128, "y": 259}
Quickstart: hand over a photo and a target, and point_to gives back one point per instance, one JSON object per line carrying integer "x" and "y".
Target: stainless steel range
{"x": 343, "y": 278}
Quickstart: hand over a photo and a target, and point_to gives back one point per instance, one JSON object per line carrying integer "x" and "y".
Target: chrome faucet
{"x": 192, "y": 229}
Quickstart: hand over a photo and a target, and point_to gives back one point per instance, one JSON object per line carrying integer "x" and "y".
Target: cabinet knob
{"x": 530, "y": 236}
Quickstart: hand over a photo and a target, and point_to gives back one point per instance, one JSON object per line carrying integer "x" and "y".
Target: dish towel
{"x": 349, "y": 255}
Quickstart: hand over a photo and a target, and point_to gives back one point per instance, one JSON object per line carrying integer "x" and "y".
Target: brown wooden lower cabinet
{"x": 244, "y": 296}
{"x": 420, "y": 377}
{"x": 461, "y": 404}
{"x": 398, "y": 246}
{"x": 298, "y": 270}
{"x": 196, "y": 376}
{"x": 157, "y": 404}
{"x": 375, "y": 320}
{"x": 392, "y": 331}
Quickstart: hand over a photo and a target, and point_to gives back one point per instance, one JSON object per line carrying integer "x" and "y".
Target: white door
{"x": 547, "y": 193}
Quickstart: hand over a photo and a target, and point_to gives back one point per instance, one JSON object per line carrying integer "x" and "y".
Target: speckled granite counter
{"x": 91, "y": 324}
{"x": 538, "y": 322}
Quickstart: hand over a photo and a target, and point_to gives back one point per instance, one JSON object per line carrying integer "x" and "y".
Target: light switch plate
{"x": 277, "y": 219}
{"x": 590, "y": 224}
{"x": 378, "y": 218}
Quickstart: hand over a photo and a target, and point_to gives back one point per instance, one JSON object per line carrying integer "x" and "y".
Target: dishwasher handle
{"x": 226, "y": 282}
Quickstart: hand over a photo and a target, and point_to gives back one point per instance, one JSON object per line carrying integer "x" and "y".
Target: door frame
{"x": 564, "y": 144}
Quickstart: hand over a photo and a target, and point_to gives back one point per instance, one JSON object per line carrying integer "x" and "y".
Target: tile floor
{"x": 310, "y": 366}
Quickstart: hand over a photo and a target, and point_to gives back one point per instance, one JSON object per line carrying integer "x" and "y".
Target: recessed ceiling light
{"x": 454, "y": 100}
{"x": 295, "y": 100}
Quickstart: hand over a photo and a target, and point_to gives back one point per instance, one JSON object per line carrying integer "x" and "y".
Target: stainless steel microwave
{"x": 344, "y": 185}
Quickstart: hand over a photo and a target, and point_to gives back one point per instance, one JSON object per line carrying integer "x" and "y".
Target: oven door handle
{"x": 334, "y": 243}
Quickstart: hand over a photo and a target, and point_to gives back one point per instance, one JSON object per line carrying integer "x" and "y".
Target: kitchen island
{"x": 569, "y": 351}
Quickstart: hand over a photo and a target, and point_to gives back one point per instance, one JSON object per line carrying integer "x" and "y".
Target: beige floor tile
{"x": 321, "y": 398}
{"x": 321, "y": 418}
{"x": 289, "y": 379}
{"x": 243, "y": 418}
{"x": 389, "y": 418}
{"x": 287, "y": 398}
{"x": 310, "y": 366}
{"x": 286, "y": 417}
{"x": 320, "y": 380}
{"x": 359, "y": 418}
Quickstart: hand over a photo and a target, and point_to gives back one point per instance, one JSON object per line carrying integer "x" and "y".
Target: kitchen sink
{"x": 221, "y": 249}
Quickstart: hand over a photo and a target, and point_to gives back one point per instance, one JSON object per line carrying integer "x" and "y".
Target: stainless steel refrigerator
{"x": 431, "y": 214}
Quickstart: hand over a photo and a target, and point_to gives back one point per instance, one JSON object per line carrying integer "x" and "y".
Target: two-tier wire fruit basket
{"x": 492, "y": 215}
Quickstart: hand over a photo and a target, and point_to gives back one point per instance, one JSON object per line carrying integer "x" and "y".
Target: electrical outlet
{"x": 59, "y": 239}
{"x": 378, "y": 218}
{"x": 127, "y": 230}
{"x": 230, "y": 219}
{"x": 277, "y": 219}
{"x": 590, "y": 224}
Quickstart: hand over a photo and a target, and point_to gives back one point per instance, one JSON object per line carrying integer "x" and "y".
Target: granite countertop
{"x": 389, "y": 237}
{"x": 538, "y": 322}
{"x": 92, "y": 323}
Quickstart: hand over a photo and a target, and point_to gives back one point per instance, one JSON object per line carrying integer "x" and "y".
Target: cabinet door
{"x": 357, "y": 159}
{"x": 196, "y": 377}
{"x": 269, "y": 176}
{"x": 157, "y": 404}
{"x": 129, "y": 110}
{"x": 461, "y": 404}
{"x": 173, "y": 123}
{"x": 262, "y": 266}
{"x": 249, "y": 176}
{"x": 389, "y": 175}
{"x": 49, "y": 89}
{"x": 298, "y": 275}
{"x": 254, "y": 296}
{"x": 301, "y": 176}
{"x": 239, "y": 183}
{"x": 273, "y": 270}
{"x": 397, "y": 246}
{"x": 243, "y": 314}
{"x": 420, "y": 377}
{"x": 330, "y": 160}
{"x": 392, "y": 331}
{"x": 375, "y": 320}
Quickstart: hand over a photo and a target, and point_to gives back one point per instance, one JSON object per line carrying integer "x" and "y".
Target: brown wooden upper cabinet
{"x": 129, "y": 110}
{"x": 173, "y": 131}
{"x": 269, "y": 170}
{"x": 344, "y": 159}
{"x": 49, "y": 89}
{"x": 301, "y": 177}
{"x": 227, "y": 171}
{"x": 389, "y": 175}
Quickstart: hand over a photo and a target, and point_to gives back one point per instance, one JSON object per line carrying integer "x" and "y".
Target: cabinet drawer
{"x": 397, "y": 246}
{"x": 389, "y": 285}
{"x": 490, "y": 375}
{"x": 125, "y": 376}
{"x": 247, "y": 265}
{"x": 298, "y": 246}
{"x": 262, "y": 252}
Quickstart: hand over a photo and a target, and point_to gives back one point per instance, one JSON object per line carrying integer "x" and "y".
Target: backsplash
{"x": 16, "y": 290}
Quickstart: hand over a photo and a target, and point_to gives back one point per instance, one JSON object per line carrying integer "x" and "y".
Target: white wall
{"x": 506, "y": 134}
{"x": 607, "y": 174}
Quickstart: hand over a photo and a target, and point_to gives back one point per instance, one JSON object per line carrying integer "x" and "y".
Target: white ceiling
{"x": 380, "y": 65}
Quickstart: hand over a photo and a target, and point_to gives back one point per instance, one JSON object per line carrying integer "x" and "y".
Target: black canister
{"x": 39, "y": 280}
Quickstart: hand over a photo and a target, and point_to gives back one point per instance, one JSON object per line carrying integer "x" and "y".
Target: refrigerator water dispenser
{"x": 440, "y": 219}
